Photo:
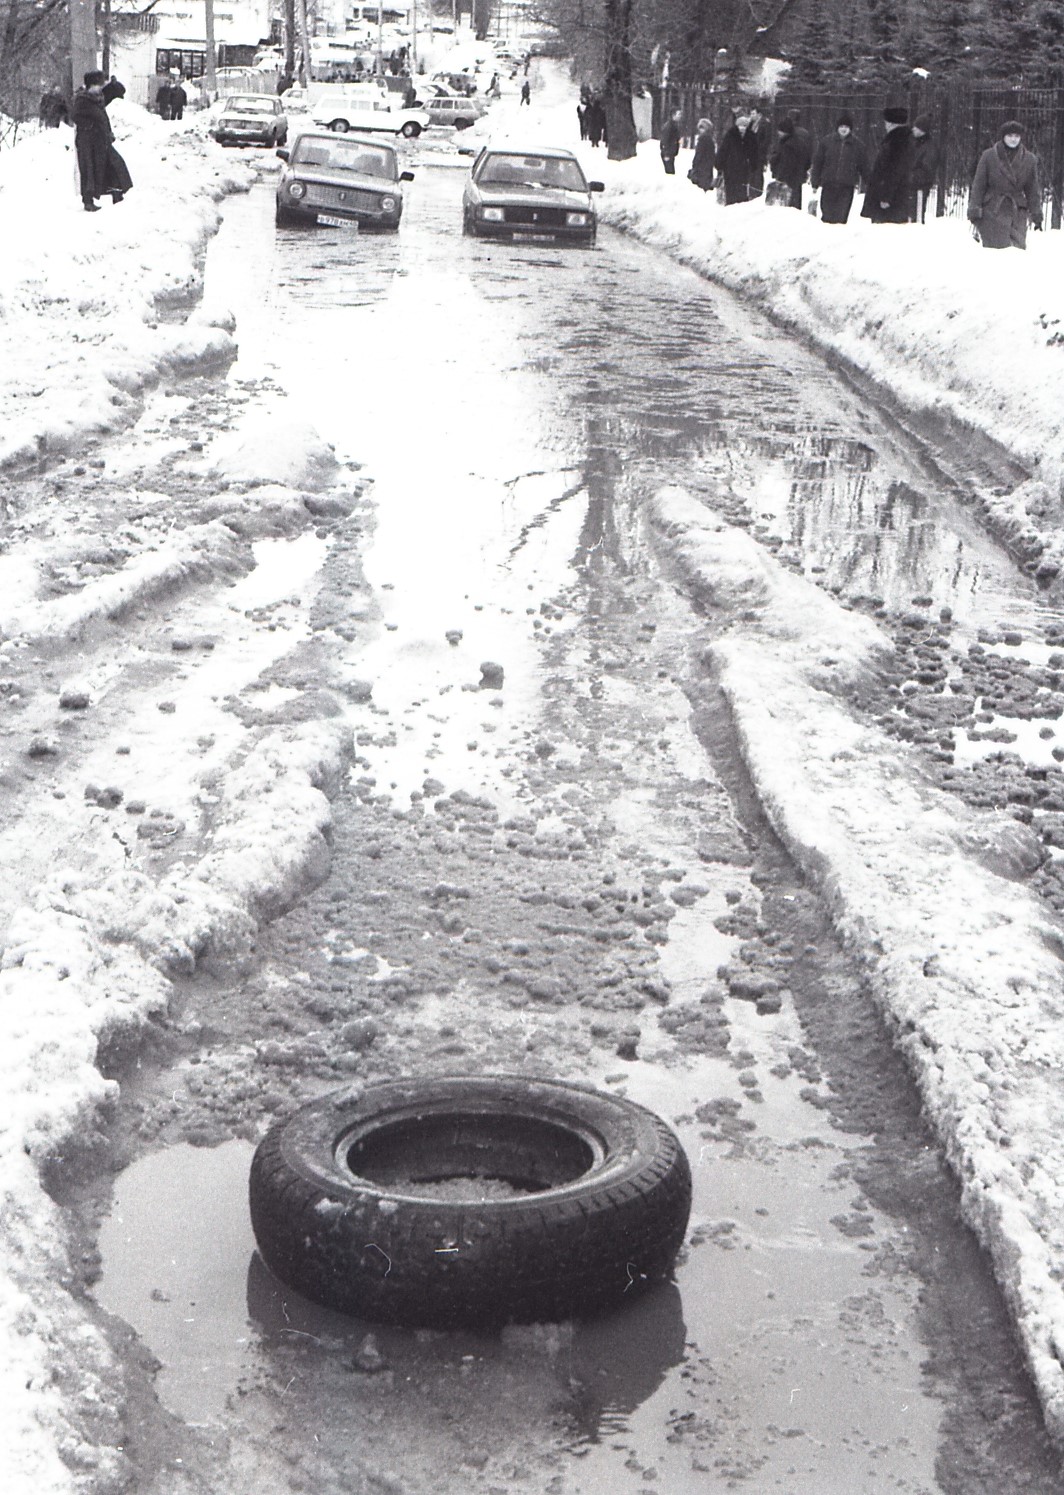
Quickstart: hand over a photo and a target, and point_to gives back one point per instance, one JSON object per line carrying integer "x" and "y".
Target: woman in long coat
{"x": 739, "y": 161}
{"x": 703, "y": 167}
{"x": 100, "y": 167}
{"x": 1006, "y": 192}
{"x": 887, "y": 196}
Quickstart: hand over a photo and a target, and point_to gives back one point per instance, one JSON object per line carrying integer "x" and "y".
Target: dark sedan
{"x": 529, "y": 195}
{"x": 341, "y": 180}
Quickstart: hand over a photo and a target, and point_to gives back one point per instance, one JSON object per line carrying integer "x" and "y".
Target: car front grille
{"x": 536, "y": 217}
{"x": 342, "y": 197}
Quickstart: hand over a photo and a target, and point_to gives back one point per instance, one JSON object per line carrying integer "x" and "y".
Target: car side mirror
{"x": 406, "y": 176}
{"x": 596, "y": 186}
{"x": 282, "y": 153}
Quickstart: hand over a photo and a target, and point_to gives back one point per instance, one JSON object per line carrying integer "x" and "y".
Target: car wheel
{"x": 470, "y": 1200}
{"x": 340, "y": 126}
{"x": 411, "y": 129}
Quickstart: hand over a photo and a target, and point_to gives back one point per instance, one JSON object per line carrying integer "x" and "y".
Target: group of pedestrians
{"x": 591, "y": 116}
{"x": 897, "y": 178}
{"x": 171, "y": 99}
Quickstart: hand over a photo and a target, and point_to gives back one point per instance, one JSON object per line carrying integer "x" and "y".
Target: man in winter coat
{"x": 1006, "y": 192}
{"x": 178, "y": 99}
{"x": 703, "y": 168}
{"x": 924, "y": 168}
{"x": 595, "y": 114}
{"x": 739, "y": 161}
{"x": 762, "y": 133}
{"x": 840, "y": 164}
{"x": 887, "y": 196}
{"x": 669, "y": 141}
{"x": 100, "y": 167}
{"x": 791, "y": 159}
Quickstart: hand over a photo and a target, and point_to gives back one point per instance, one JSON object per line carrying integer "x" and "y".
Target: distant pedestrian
{"x": 887, "y": 195}
{"x": 791, "y": 160}
{"x": 162, "y": 98}
{"x": 1006, "y": 192}
{"x": 840, "y": 164}
{"x": 581, "y": 117}
{"x": 762, "y": 133}
{"x": 739, "y": 161}
{"x": 703, "y": 168}
{"x": 924, "y": 168}
{"x": 595, "y": 114}
{"x": 178, "y": 99}
{"x": 526, "y": 92}
{"x": 101, "y": 169}
{"x": 669, "y": 141}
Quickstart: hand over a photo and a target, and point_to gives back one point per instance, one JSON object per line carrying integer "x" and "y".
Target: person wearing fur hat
{"x": 1006, "y": 192}
{"x": 703, "y": 168}
{"x": 924, "y": 168}
{"x": 791, "y": 159}
{"x": 100, "y": 168}
{"x": 739, "y": 161}
{"x": 840, "y": 164}
{"x": 887, "y": 196}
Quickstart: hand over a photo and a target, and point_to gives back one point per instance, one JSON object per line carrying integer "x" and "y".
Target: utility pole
{"x": 413, "y": 39}
{"x": 210, "y": 62}
{"x": 288, "y": 35}
{"x": 304, "y": 37}
{"x": 82, "y": 39}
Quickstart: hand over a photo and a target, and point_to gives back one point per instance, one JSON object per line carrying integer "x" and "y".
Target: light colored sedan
{"x": 340, "y": 181}
{"x": 251, "y": 119}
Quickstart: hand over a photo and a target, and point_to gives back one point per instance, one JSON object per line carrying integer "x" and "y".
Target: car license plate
{"x": 533, "y": 238}
{"x": 332, "y": 222}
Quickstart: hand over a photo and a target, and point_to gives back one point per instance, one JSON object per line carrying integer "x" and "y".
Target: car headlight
{"x": 493, "y": 215}
{"x": 576, "y": 220}
{"x": 387, "y": 204}
{"x": 297, "y": 189}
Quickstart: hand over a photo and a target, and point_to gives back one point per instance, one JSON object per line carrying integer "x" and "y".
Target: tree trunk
{"x": 288, "y": 36}
{"x": 82, "y": 39}
{"x": 620, "y": 125}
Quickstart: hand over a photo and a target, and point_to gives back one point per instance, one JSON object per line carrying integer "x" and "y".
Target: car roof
{"x": 347, "y": 138}
{"x": 504, "y": 148}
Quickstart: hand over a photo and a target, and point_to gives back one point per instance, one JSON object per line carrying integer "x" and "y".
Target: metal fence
{"x": 965, "y": 117}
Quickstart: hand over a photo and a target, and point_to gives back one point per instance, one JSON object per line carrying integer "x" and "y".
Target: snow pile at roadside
{"x": 90, "y": 957}
{"x": 80, "y": 292}
{"x": 960, "y": 959}
{"x": 941, "y": 323}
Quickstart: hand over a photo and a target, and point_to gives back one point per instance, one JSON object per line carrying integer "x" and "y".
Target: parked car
{"x": 540, "y": 194}
{"x": 374, "y": 111}
{"x": 454, "y": 111}
{"x": 251, "y": 119}
{"x": 340, "y": 180}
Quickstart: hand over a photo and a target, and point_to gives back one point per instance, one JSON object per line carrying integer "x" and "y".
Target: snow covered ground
{"x": 961, "y": 957}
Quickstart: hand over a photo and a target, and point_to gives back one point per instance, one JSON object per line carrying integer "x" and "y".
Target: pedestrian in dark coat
{"x": 1006, "y": 192}
{"x": 526, "y": 92}
{"x": 52, "y": 110}
{"x": 595, "y": 115}
{"x": 703, "y": 168}
{"x": 669, "y": 141}
{"x": 840, "y": 164}
{"x": 100, "y": 167}
{"x": 162, "y": 99}
{"x": 887, "y": 196}
{"x": 178, "y": 99}
{"x": 762, "y": 133}
{"x": 791, "y": 160}
{"x": 924, "y": 168}
{"x": 739, "y": 162}
{"x": 581, "y": 119}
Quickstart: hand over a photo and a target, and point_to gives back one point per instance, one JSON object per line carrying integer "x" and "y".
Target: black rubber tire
{"x": 339, "y": 126}
{"x": 608, "y": 1215}
{"x": 411, "y": 130}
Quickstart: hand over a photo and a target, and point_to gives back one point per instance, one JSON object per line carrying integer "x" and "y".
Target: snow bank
{"x": 81, "y": 293}
{"x": 91, "y": 957}
{"x": 963, "y": 962}
{"x": 944, "y": 325}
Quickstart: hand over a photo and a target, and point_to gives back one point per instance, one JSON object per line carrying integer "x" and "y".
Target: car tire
{"x": 340, "y": 126}
{"x": 283, "y": 219}
{"x": 411, "y": 130}
{"x": 597, "y": 1209}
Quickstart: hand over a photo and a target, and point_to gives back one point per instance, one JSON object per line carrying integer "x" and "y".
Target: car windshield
{"x": 249, "y": 106}
{"x": 504, "y": 170}
{"x": 345, "y": 155}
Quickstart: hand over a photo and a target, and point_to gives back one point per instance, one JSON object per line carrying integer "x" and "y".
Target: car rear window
{"x": 503, "y": 169}
{"x": 337, "y": 154}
